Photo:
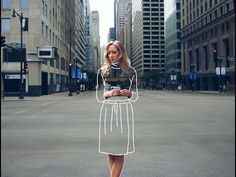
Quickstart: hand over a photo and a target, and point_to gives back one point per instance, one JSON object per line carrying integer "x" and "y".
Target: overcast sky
{"x": 105, "y": 9}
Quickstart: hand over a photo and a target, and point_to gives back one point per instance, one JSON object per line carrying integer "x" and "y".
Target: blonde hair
{"x": 124, "y": 60}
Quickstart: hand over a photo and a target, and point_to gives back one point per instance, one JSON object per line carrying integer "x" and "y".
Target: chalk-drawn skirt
{"x": 116, "y": 128}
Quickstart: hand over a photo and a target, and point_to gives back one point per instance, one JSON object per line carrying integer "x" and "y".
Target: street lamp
{"x": 70, "y": 65}
{"x": 19, "y": 13}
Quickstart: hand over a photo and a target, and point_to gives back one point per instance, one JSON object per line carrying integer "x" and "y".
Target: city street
{"x": 177, "y": 134}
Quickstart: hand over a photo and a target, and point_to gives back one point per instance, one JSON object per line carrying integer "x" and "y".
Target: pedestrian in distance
{"x": 116, "y": 120}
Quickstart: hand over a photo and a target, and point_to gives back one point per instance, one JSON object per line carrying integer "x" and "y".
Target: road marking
{"x": 24, "y": 110}
{"x": 47, "y": 103}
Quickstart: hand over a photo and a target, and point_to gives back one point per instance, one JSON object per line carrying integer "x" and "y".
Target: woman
{"x": 116, "y": 123}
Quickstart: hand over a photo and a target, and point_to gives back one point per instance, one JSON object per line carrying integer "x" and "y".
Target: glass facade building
{"x": 172, "y": 43}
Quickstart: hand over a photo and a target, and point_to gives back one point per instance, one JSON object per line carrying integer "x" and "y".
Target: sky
{"x": 105, "y": 9}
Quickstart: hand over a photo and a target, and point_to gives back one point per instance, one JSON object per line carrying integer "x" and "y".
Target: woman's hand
{"x": 125, "y": 92}
{"x": 114, "y": 92}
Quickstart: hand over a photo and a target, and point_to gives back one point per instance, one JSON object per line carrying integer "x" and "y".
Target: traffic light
{"x": 25, "y": 65}
{"x": 3, "y": 41}
{"x": 215, "y": 56}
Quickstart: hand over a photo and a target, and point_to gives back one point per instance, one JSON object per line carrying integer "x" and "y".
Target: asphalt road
{"x": 176, "y": 135}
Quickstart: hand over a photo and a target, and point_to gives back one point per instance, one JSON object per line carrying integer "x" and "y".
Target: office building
{"x": 208, "y": 26}
{"x": 88, "y": 35}
{"x": 96, "y": 53}
{"x": 52, "y": 40}
{"x": 172, "y": 44}
{"x": 148, "y": 42}
{"x": 120, "y": 7}
{"x": 112, "y": 34}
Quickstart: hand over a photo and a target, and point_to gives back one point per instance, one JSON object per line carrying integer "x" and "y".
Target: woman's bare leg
{"x": 110, "y": 159}
{"x": 116, "y": 164}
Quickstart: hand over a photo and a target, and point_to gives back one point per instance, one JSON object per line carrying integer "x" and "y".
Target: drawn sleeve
{"x": 134, "y": 86}
{"x": 100, "y": 87}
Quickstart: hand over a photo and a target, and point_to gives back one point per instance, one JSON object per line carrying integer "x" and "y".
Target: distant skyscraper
{"x": 148, "y": 43}
{"x": 80, "y": 53}
{"x": 120, "y": 10}
{"x": 88, "y": 36}
{"x": 112, "y": 34}
{"x": 96, "y": 61}
{"x": 172, "y": 41}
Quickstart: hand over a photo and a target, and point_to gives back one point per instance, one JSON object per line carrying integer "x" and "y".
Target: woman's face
{"x": 113, "y": 54}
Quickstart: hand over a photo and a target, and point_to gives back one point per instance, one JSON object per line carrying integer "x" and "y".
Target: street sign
{"x": 222, "y": 71}
{"x": 172, "y": 77}
{"x": 14, "y": 76}
{"x": 75, "y": 74}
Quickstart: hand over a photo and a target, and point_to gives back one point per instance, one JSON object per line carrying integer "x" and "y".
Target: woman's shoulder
{"x": 103, "y": 70}
{"x": 132, "y": 70}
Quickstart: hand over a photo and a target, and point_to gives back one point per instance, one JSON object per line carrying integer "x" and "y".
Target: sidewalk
{"x": 206, "y": 92}
{"x": 54, "y": 96}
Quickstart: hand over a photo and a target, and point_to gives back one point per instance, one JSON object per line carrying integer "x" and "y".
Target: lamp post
{"x": 19, "y": 13}
{"x": 70, "y": 65}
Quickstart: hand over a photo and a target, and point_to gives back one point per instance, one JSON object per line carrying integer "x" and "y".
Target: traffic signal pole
{"x": 21, "y": 58}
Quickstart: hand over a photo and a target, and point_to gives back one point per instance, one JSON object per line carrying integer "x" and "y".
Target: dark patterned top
{"x": 115, "y": 78}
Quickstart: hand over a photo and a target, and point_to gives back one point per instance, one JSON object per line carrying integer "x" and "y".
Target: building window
{"x": 206, "y": 57}
{"x": 53, "y": 36}
{"x": 205, "y": 6}
{"x": 210, "y": 3}
{"x": 46, "y": 31}
{"x": 215, "y": 31}
{"x": 215, "y": 12}
{"x": 42, "y": 7}
{"x": 50, "y": 15}
{"x": 227, "y": 26}
{"x": 227, "y": 7}
{"x": 24, "y": 3}
{"x": 5, "y": 24}
{"x": 177, "y": 6}
{"x": 226, "y": 49}
{"x": 178, "y": 15}
{"x": 222, "y": 27}
{"x": 46, "y": 10}
{"x": 42, "y": 28}
{"x": 6, "y": 4}
{"x": 221, "y": 10}
{"x": 50, "y": 35}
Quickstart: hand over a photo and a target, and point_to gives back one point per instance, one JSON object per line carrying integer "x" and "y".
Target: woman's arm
{"x": 134, "y": 86}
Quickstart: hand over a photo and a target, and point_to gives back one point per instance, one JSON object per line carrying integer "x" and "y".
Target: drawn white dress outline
{"x": 116, "y": 107}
